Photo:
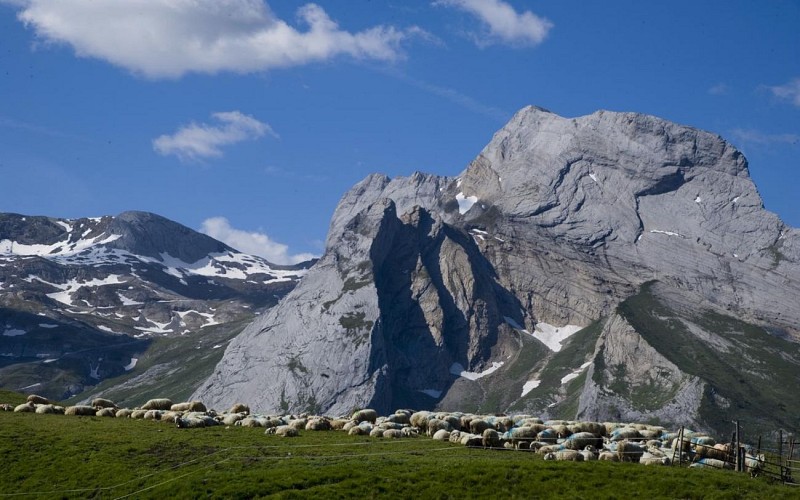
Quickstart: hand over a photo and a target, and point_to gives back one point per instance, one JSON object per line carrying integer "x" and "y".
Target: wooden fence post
{"x": 736, "y": 448}
{"x": 780, "y": 451}
{"x": 680, "y": 448}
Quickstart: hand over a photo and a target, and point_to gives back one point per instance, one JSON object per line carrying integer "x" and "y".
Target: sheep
{"x": 717, "y": 452}
{"x": 441, "y": 435}
{"x": 394, "y": 433}
{"x": 152, "y": 415}
{"x": 318, "y": 424}
{"x": 80, "y": 410}
{"x": 581, "y": 440}
{"x": 171, "y": 417}
{"x": 549, "y": 448}
{"x": 471, "y": 440}
{"x": 190, "y": 422}
{"x": 338, "y": 424}
{"x": 357, "y": 431}
{"x": 420, "y": 419}
{"x": 455, "y": 437}
{"x": 367, "y": 415}
{"x": 435, "y": 425}
{"x": 626, "y": 433}
{"x": 400, "y": 418}
{"x": 157, "y": 404}
{"x": 589, "y": 453}
{"x": 6, "y": 407}
{"x": 299, "y": 423}
{"x": 629, "y": 452}
{"x": 490, "y": 439}
{"x": 232, "y": 418}
{"x": 138, "y": 414}
{"x": 253, "y": 421}
{"x": 240, "y": 408}
{"x": 608, "y": 456}
{"x": 564, "y": 455}
{"x": 25, "y": 408}
{"x": 478, "y": 425}
{"x": 284, "y": 431}
{"x": 103, "y": 403}
{"x": 38, "y": 400}
{"x": 124, "y": 413}
{"x": 45, "y": 409}
{"x": 106, "y": 412}
{"x": 712, "y": 462}
{"x": 502, "y": 424}
{"x": 547, "y": 436}
{"x": 754, "y": 464}
{"x": 651, "y": 460}
{"x": 376, "y": 432}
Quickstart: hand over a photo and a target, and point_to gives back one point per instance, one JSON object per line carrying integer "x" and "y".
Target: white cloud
{"x": 719, "y": 89}
{"x": 168, "y": 38}
{"x": 751, "y": 136}
{"x": 788, "y": 92}
{"x": 197, "y": 141}
{"x": 503, "y": 22}
{"x": 254, "y": 243}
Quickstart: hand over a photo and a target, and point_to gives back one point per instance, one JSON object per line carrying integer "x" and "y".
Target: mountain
{"x": 90, "y": 303}
{"x": 614, "y": 266}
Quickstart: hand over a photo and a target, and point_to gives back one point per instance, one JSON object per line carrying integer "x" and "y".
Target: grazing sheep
{"x": 629, "y": 452}
{"x": 472, "y": 440}
{"x": 399, "y": 418}
{"x": 124, "y": 413}
{"x": 80, "y": 410}
{"x": 240, "y": 408}
{"x": 420, "y": 420}
{"x": 564, "y": 456}
{"x": 717, "y": 452}
{"x": 157, "y": 404}
{"x": 626, "y": 433}
{"x": 455, "y": 437}
{"x": 490, "y": 439}
{"x": 367, "y": 415}
{"x": 357, "y": 431}
{"x": 171, "y": 417}
{"x": 376, "y": 432}
{"x": 25, "y": 408}
{"x": 38, "y": 400}
{"x": 299, "y": 423}
{"x": 589, "y": 453}
{"x": 106, "y": 412}
{"x": 138, "y": 414}
{"x": 547, "y": 436}
{"x": 103, "y": 403}
{"x": 6, "y": 407}
{"x": 189, "y": 422}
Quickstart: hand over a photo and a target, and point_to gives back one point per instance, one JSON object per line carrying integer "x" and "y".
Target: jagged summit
{"x": 521, "y": 284}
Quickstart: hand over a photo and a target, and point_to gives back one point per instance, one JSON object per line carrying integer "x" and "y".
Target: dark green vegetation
{"x": 171, "y": 368}
{"x": 750, "y": 375}
{"x": 90, "y": 457}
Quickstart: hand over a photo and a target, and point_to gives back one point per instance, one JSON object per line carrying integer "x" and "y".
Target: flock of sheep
{"x": 554, "y": 440}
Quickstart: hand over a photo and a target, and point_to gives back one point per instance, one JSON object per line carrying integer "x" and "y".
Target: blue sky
{"x": 250, "y": 119}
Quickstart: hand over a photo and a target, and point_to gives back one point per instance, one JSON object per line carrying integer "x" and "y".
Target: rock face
{"x": 502, "y": 288}
{"x": 84, "y": 300}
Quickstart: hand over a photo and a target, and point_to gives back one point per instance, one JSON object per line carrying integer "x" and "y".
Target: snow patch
{"x": 575, "y": 374}
{"x": 13, "y": 332}
{"x": 668, "y": 233}
{"x": 698, "y": 199}
{"x": 128, "y": 302}
{"x": 529, "y": 386}
{"x": 47, "y": 325}
{"x": 549, "y": 335}
{"x": 458, "y": 369}
{"x": 594, "y": 177}
{"x": 131, "y": 365}
{"x": 465, "y": 203}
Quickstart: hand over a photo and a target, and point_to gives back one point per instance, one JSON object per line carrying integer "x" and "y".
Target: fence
{"x": 778, "y": 463}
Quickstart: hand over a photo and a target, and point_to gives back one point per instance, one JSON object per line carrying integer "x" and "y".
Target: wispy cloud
{"x": 502, "y": 23}
{"x": 252, "y": 242}
{"x": 168, "y": 38}
{"x": 198, "y": 141}
{"x": 451, "y": 95}
{"x": 719, "y": 89}
{"x": 788, "y": 92}
{"x": 751, "y": 136}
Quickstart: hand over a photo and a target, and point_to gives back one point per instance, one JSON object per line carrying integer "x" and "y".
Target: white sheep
{"x": 28, "y": 407}
{"x": 103, "y": 403}
{"x": 441, "y": 435}
{"x": 157, "y": 404}
{"x": 754, "y": 464}
{"x": 367, "y": 415}
{"x": 564, "y": 455}
{"x": 106, "y": 412}
{"x": 490, "y": 438}
{"x": 80, "y": 410}
{"x": 240, "y": 408}
{"x": 38, "y": 400}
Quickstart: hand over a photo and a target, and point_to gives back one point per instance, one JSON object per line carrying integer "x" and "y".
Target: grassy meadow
{"x": 56, "y": 456}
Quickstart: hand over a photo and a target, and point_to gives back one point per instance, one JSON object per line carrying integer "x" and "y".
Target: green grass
{"x": 80, "y": 457}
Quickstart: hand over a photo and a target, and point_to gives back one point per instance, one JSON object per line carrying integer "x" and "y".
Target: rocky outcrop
{"x": 435, "y": 290}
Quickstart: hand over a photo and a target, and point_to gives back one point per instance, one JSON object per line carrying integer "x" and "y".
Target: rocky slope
{"x": 87, "y": 300}
{"x": 510, "y": 286}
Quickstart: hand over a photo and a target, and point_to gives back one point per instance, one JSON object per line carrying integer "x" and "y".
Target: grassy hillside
{"x": 90, "y": 457}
